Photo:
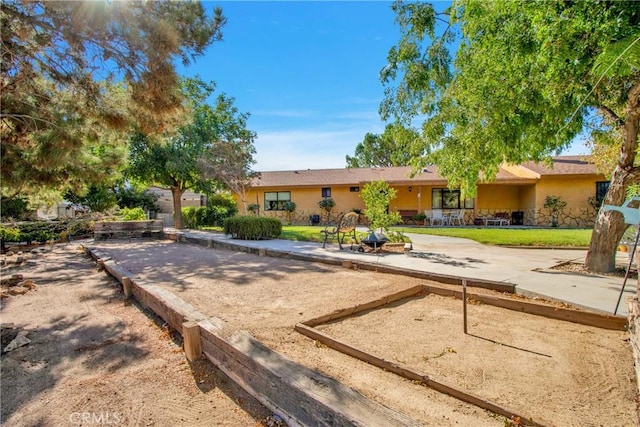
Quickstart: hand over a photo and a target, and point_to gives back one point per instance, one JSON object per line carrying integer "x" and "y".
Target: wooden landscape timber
{"x": 307, "y": 328}
{"x": 302, "y": 397}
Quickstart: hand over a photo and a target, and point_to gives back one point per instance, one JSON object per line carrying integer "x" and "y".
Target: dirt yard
{"x": 567, "y": 374}
{"x": 95, "y": 360}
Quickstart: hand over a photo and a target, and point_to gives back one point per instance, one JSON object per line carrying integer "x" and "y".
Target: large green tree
{"x": 177, "y": 159}
{"x": 525, "y": 77}
{"x": 395, "y": 147}
{"x": 59, "y": 63}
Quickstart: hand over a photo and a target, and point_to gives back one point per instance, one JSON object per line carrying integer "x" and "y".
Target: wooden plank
{"x": 413, "y": 291}
{"x": 598, "y": 320}
{"x": 442, "y": 278}
{"x": 126, "y": 287}
{"x": 191, "y": 340}
{"x": 412, "y": 375}
{"x": 172, "y": 309}
{"x": 301, "y": 396}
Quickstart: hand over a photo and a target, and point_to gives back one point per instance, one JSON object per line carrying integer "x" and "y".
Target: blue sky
{"x": 307, "y": 72}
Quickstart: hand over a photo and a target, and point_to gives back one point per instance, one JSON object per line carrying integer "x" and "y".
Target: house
{"x": 519, "y": 190}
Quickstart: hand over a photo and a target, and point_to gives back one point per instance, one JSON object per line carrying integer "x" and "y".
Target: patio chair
{"x": 428, "y": 215}
{"x": 346, "y": 226}
{"x": 438, "y": 217}
{"x": 457, "y": 216}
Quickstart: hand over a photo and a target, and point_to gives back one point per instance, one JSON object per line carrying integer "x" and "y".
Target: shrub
{"x": 44, "y": 231}
{"x": 219, "y": 207}
{"x": 129, "y": 197}
{"x": 254, "y": 208}
{"x": 16, "y": 208}
{"x": 10, "y": 234}
{"x": 132, "y": 214}
{"x": 252, "y": 227}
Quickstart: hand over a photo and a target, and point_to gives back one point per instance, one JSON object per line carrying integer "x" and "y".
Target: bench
{"x": 407, "y": 215}
{"x": 346, "y": 225}
{"x": 118, "y": 229}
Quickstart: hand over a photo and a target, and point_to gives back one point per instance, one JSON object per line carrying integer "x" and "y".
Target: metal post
{"x": 626, "y": 274}
{"x": 464, "y": 304}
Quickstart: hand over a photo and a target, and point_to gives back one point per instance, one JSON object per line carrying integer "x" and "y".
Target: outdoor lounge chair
{"x": 500, "y": 219}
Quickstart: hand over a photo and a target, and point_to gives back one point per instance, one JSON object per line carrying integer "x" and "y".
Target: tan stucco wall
{"x": 491, "y": 198}
{"x": 498, "y": 197}
{"x": 575, "y": 192}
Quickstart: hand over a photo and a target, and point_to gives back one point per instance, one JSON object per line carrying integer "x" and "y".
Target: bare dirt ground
{"x": 567, "y": 374}
{"x": 95, "y": 360}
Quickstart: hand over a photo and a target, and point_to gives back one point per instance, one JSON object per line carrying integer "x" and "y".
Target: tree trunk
{"x": 610, "y": 226}
{"x": 608, "y": 229}
{"x": 177, "y": 192}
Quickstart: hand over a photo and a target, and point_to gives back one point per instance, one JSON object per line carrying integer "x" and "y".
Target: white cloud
{"x": 312, "y": 148}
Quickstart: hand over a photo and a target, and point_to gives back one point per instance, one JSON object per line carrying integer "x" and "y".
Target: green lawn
{"x": 545, "y": 237}
{"x": 511, "y": 236}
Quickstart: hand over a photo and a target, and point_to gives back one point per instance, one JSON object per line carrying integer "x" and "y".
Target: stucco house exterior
{"x": 519, "y": 190}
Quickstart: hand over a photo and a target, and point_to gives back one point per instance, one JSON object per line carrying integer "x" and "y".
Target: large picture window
{"x": 274, "y": 201}
{"x": 442, "y": 198}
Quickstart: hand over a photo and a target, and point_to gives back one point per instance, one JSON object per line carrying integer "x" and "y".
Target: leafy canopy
{"x": 524, "y": 79}
{"x": 197, "y": 154}
{"x": 61, "y": 62}
{"x": 395, "y": 147}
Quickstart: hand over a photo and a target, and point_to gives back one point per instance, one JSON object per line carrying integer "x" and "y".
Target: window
{"x": 442, "y": 198}
{"x": 326, "y": 192}
{"x": 354, "y": 189}
{"x": 275, "y": 201}
{"x": 601, "y": 190}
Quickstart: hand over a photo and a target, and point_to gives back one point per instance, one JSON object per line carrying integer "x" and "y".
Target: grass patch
{"x": 302, "y": 233}
{"x": 573, "y": 237}
{"x": 541, "y": 237}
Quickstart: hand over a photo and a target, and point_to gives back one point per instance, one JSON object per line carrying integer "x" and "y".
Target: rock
{"x": 20, "y": 253}
{"x": 28, "y": 284}
{"x": 13, "y": 280}
{"x": 17, "y": 290}
{"x": 19, "y": 259}
{"x": 10, "y": 253}
{"x": 19, "y": 341}
{"x": 35, "y": 251}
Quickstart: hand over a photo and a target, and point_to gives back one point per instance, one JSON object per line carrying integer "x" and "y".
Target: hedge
{"x": 44, "y": 231}
{"x": 252, "y": 227}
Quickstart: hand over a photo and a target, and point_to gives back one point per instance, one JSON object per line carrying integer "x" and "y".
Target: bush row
{"x": 252, "y": 227}
{"x": 219, "y": 207}
{"x": 44, "y": 231}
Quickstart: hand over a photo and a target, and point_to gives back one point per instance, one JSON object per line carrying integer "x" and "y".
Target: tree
{"x": 229, "y": 158}
{"x": 525, "y": 77}
{"x": 395, "y": 147}
{"x": 175, "y": 161}
{"x": 60, "y": 62}
{"x": 377, "y": 196}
